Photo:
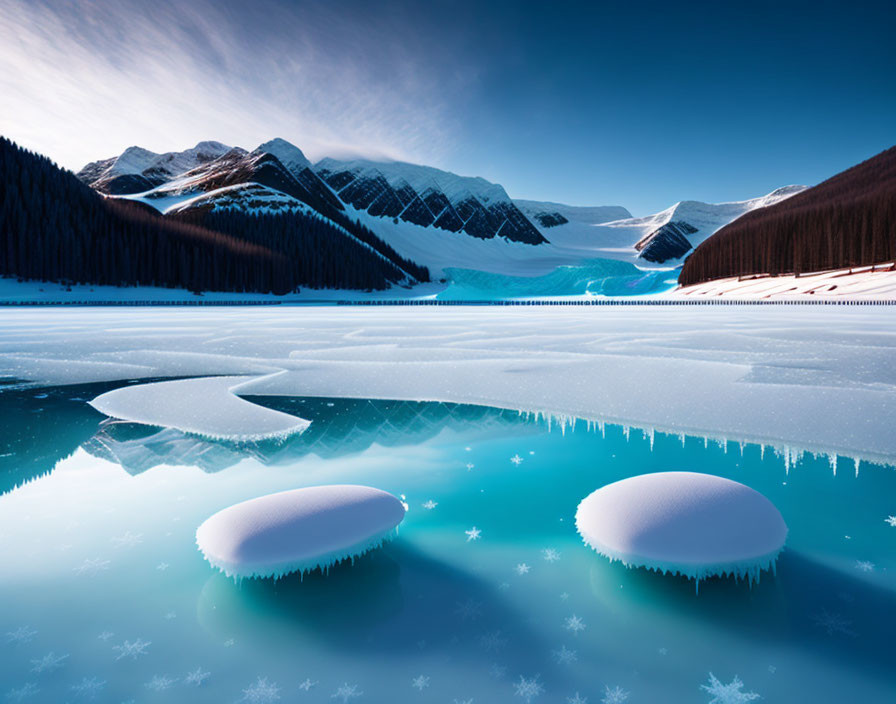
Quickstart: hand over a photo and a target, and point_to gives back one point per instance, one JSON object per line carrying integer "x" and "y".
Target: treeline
{"x": 55, "y": 228}
{"x": 319, "y": 253}
{"x": 847, "y": 221}
{"x": 366, "y": 235}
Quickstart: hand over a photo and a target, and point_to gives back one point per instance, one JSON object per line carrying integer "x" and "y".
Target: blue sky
{"x": 637, "y": 104}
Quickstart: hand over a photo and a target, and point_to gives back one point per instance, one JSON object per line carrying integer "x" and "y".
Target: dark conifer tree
{"x": 847, "y": 221}
{"x": 55, "y": 228}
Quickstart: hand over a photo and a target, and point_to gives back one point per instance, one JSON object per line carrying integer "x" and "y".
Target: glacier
{"x": 597, "y": 277}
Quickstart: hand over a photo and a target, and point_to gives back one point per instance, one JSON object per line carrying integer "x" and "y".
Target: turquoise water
{"x": 597, "y": 277}
{"x": 104, "y": 596}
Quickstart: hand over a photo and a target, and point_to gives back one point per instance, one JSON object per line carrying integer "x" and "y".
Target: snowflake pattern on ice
{"x": 864, "y": 566}
{"x": 346, "y": 691}
{"x": 261, "y": 692}
{"x": 473, "y": 534}
{"x": 159, "y": 683}
{"x": 497, "y": 671}
{"x": 550, "y": 555}
{"x": 469, "y": 610}
{"x": 92, "y": 567}
{"x": 162, "y": 566}
{"x": 307, "y": 684}
{"x": 565, "y": 656}
{"x": 131, "y": 649}
{"x": 89, "y": 687}
{"x": 528, "y": 689}
{"x": 517, "y": 460}
{"x": 105, "y": 635}
{"x": 23, "y": 634}
{"x": 48, "y": 663}
{"x": 727, "y": 693}
{"x": 577, "y": 699}
{"x": 128, "y": 540}
{"x": 196, "y": 677}
{"x": 617, "y": 695}
{"x": 430, "y": 505}
{"x": 420, "y": 682}
{"x": 27, "y": 690}
{"x": 574, "y": 624}
{"x": 470, "y": 466}
{"x": 833, "y": 623}
{"x": 890, "y": 521}
{"x": 522, "y": 569}
{"x": 493, "y": 642}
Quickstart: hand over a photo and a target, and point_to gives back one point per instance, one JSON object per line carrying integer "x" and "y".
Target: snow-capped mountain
{"x": 435, "y": 218}
{"x": 547, "y": 215}
{"x": 662, "y": 239}
{"x": 138, "y": 169}
{"x": 429, "y": 197}
{"x": 248, "y": 181}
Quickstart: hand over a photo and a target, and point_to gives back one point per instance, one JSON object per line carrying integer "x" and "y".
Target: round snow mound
{"x": 696, "y": 525}
{"x": 299, "y": 530}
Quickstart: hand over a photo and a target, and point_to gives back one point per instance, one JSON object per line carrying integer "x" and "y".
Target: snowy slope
{"x": 860, "y": 283}
{"x": 288, "y": 154}
{"x": 546, "y": 214}
{"x": 138, "y": 166}
{"x": 583, "y": 238}
{"x": 433, "y": 217}
{"x": 429, "y": 197}
{"x": 252, "y": 182}
{"x": 421, "y": 178}
{"x": 617, "y": 239}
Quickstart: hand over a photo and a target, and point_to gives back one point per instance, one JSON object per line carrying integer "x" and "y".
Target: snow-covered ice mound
{"x": 205, "y": 406}
{"x": 696, "y": 525}
{"x": 299, "y": 530}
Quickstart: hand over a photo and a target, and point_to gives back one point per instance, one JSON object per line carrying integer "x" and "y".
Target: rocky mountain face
{"x": 136, "y": 169}
{"x": 669, "y": 241}
{"x": 278, "y": 176}
{"x": 417, "y": 213}
{"x": 429, "y": 197}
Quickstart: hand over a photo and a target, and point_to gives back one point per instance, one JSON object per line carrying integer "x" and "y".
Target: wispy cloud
{"x": 83, "y": 80}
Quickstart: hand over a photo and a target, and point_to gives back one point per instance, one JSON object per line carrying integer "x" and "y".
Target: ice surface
{"x": 817, "y": 378}
{"x": 299, "y": 531}
{"x": 205, "y": 406}
{"x": 696, "y": 525}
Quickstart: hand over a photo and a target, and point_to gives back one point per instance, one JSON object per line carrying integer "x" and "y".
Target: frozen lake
{"x": 488, "y": 594}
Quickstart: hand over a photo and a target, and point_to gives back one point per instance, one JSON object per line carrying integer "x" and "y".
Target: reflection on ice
{"x": 338, "y": 427}
{"x": 343, "y": 426}
{"x": 524, "y": 603}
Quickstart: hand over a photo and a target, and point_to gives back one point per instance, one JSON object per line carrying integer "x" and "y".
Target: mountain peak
{"x": 288, "y": 154}
{"x": 210, "y": 145}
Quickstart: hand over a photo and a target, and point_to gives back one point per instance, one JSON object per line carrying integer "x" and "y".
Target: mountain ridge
{"x": 431, "y": 217}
